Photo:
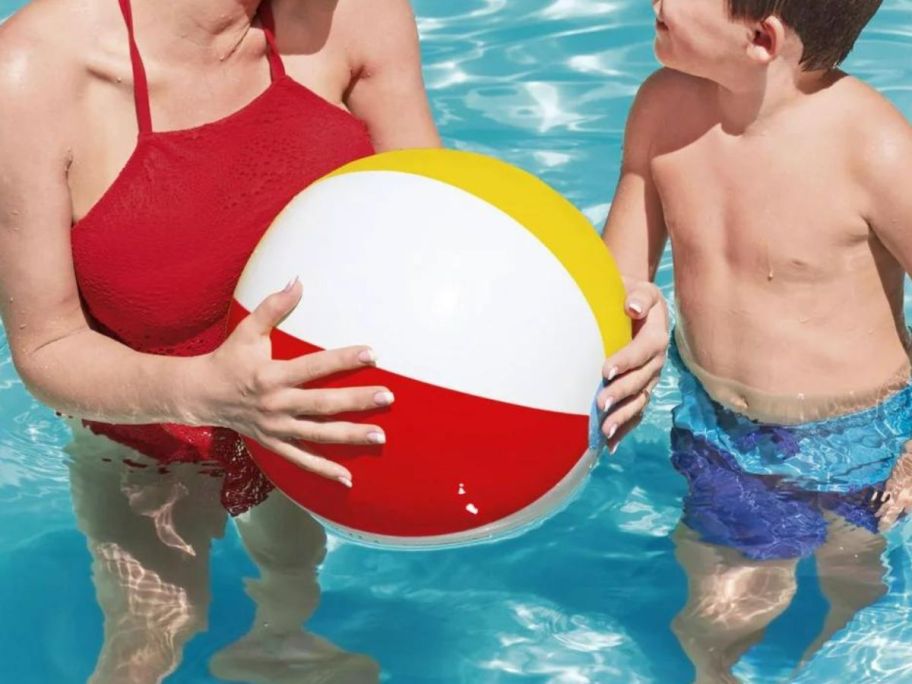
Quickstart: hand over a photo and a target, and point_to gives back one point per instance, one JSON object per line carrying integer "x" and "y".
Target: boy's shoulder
{"x": 855, "y": 99}
{"x": 857, "y": 111}
{"x": 873, "y": 130}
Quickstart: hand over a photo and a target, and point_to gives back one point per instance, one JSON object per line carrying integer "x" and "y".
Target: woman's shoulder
{"x": 351, "y": 13}
{"x": 363, "y": 30}
{"x": 378, "y": 14}
{"x": 43, "y": 48}
{"x": 376, "y": 21}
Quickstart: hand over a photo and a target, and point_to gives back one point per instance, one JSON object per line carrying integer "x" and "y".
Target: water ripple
{"x": 587, "y": 597}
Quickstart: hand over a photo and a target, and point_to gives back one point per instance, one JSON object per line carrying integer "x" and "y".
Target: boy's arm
{"x": 887, "y": 173}
{"x": 886, "y": 170}
{"x": 635, "y": 233}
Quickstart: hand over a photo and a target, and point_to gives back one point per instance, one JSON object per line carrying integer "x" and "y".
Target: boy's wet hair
{"x": 827, "y": 28}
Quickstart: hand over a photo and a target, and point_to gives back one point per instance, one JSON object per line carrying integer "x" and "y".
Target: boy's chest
{"x": 790, "y": 201}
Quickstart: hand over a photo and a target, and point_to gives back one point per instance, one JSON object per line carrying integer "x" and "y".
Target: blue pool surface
{"x": 587, "y": 597}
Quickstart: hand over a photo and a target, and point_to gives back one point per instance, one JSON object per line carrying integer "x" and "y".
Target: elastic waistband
{"x": 787, "y": 409}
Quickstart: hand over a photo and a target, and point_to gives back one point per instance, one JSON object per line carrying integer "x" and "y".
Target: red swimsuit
{"x": 157, "y": 258}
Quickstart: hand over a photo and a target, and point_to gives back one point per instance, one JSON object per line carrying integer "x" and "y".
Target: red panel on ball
{"x": 453, "y": 461}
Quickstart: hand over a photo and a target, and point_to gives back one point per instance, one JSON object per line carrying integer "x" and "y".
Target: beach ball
{"x": 491, "y": 303}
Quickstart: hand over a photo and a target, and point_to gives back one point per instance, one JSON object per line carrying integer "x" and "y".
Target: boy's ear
{"x": 767, "y": 41}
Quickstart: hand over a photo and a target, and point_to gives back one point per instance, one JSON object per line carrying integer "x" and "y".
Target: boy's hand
{"x": 632, "y": 373}
{"x": 896, "y": 499}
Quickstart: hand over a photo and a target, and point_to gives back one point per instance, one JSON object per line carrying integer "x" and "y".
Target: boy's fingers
{"x": 880, "y": 498}
{"x": 893, "y": 505}
{"x": 888, "y": 514}
{"x": 880, "y": 502}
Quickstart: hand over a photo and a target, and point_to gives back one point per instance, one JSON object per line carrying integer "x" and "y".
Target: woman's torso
{"x": 190, "y": 84}
{"x": 164, "y": 225}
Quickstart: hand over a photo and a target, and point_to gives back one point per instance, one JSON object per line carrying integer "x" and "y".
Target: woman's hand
{"x": 632, "y": 373}
{"x": 263, "y": 398}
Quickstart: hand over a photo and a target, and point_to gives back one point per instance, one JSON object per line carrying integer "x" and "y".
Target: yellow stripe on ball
{"x": 562, "y": 228}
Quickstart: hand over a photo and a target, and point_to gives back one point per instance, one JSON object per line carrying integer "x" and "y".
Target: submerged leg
{"x": 730, "y": 602}
{"x": 288, "y": 546}
{"x": 851, "y": 573}
{"x": 743, "y": 575}
{"x": 149, "y": 535}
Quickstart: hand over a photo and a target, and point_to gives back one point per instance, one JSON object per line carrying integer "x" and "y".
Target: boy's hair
{"x": 827, "y": 28}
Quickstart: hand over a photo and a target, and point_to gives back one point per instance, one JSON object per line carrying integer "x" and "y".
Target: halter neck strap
{"x": 140, "y": 84}
{"x": 276, "y": 66}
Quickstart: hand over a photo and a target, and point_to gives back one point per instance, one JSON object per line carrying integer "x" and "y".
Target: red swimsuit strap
{"x": 140, "y": 84}
{"x": 276, "y": 67}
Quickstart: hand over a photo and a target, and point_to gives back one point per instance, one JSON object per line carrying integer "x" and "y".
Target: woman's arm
{"x": 59, "y": 358}
{"x": 388, "y": 92}
{"x": 635, "y": 230}
{"x": 636, "y": 235}
{"x": 82, "y": 373}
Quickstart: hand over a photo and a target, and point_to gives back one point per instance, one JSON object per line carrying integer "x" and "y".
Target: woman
{"x": 146, "y": 146}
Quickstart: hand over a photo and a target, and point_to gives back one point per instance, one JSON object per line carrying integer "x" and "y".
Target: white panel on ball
{"x": 445, "y": 287}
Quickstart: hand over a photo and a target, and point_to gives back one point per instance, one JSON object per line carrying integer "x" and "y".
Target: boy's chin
{"x": 664, "y": 56}
{"x": 669, "y": 62}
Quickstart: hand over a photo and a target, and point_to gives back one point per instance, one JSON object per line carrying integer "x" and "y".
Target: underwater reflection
{"x": 739, "y": 547}
{"x": 150, "y": 532}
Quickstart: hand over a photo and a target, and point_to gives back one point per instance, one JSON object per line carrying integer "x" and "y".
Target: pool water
{"x": 587, "y": 597}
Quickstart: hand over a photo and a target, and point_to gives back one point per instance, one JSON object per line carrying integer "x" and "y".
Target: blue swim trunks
{"x": 765, "y": 489}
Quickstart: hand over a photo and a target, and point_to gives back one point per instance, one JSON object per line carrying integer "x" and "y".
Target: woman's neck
{"x": 195, "y": 29}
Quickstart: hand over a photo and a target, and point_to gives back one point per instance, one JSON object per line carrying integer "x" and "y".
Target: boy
{"x": 784, "y": 186}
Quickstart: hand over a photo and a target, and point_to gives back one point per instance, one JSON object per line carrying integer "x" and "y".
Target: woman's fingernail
{"x": 613, "y": 449}
{"x": 367, "y": 356}
{"x": 612, "y": 374}
{"x": 612, "y": 431}
{"x": 607, "y": 405}
{"x": 384, "y": 398}
{"x": 345, "y": 481}
{"x": 376, "y": 438}
{"x": 636, "y": 307}
{"x": 291, "y": 284}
